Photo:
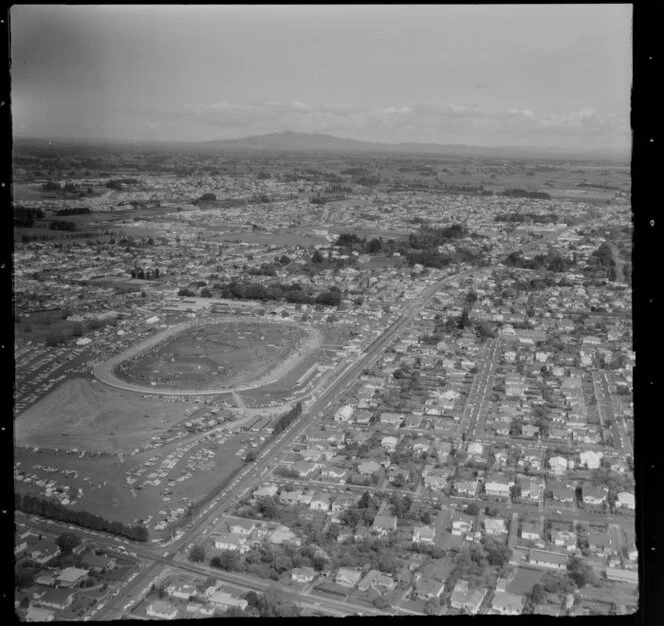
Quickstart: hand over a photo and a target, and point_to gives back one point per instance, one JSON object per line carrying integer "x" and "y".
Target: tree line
{"x": 287, "y": 418}
{"x": 34, "y": 505}
{"x": 26, "y": 217}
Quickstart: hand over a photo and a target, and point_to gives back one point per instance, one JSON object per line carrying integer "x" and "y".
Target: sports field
{"x": 211, "y": 357}
{"x": 87, "y": 415}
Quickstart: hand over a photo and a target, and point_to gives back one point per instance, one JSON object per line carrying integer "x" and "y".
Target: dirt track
{"x": 104, "y": 371}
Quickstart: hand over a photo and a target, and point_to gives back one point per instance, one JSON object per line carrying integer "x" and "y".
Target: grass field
{"x": 87, "y": 415}
{"x": 525, "y": 578}
{"x": 228, "y": 353}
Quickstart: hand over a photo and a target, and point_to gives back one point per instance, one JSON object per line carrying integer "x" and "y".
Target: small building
{"x": 506, "y": 603}
{"x": 424, "y": 534}
{"x": 384, "y": 524}
{"x": 223, "y": 600}
{"x": 623, "y": 575}
{"x": 303, "y": 574}
{"x": 545, "y": 558}
{"x": 71, "y": 576}
{"x": 347, "y": 577}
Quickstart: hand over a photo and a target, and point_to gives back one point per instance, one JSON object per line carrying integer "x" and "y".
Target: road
{"x": 253, "y": 474}
{"x": 606, "y": 402}
{"x": 479, "y": 397}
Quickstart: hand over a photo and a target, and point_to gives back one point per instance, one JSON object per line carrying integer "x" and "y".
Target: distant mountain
{"x": 316, "y": 142}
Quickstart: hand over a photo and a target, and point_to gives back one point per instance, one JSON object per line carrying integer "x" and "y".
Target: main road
{"x": 254, "y": 474}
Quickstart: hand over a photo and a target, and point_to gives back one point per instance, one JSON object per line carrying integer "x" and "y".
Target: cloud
{"x": 392, "y": 122}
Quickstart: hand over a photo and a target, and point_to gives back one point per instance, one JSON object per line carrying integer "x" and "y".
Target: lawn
{"x": 524, "y": 580}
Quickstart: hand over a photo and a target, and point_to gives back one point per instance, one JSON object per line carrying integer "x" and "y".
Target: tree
{"x": 381, "y": 603}
{"x": 537, "y": 594}
{"x": 472, "y": 509}
{"x": 227, "y": 560}
{"x": 68, "y": 541}
{"x": 197, "y": 554}
{"x": 432, "y": 606}
{"x": 250, "y": 456}
{"x": 234, "y": 611}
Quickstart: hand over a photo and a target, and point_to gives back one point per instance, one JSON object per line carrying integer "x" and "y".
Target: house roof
{"x": 546, "y": 556}
{"x": 507, "y": 601}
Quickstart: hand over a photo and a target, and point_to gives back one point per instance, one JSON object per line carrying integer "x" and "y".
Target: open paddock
{"x": 525, "y": 578}
{"x": 84, "y": 414}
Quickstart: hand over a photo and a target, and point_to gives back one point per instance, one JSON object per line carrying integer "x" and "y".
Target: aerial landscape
{"x": 332, "y": 318}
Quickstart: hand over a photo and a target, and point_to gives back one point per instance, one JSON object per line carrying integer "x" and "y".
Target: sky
{"x": 543, "y": 76}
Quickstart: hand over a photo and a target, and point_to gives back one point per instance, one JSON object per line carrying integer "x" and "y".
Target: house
{"x": 558, "y": 464}
{"x": 320, "y": 502}
{"x": 378, "y": 581}
{"x": 550, "y": 560}
{"x": 393, "y": 419}
{"x": 623, "y": 575}
{"x": 362, "y": 417}
{"x": 498, "y": 486}
{"x": 428, "y": 588}
{"x": 626, "y": 500}
{"x": 494, "y": 526}
{"x": 368, "y": 467}
{"x": 413, "y": 420}
{"x": 423, "y": 534}
{"x": 44, "y": 551}
{"x": 283, "y": 534}
{"x": 347, "y": 577}
{"x": 242, "y": 527}
{"x": 530, "y": 431}
{"x": 436, "y": 479}
{"x": 461, "y": 523}
{"x": 465, "y": 599}
{"x": 465, "y": 487}
{"x": 223, "y": 600}
{"x": 303, "y": 574}
{"x": 343, "y": 502}
{"x": 530, "y": 531}
{"x": 531, "y": 488}
{"x": 506, "y": 603}
{"x": 71, "y": 576}
{"x": 37, "y": 614}
{"x": 599, "y": 542}
{"x": 562, "y": 493}
{"x": 46, "y": 578}
{"x": 58, "y": 599}
{"x": 475, "y": 449}
{"x": 311, "y": 454}
{"x": 566, "y": 538}
{"x": 266, "y": 491}
{"x": 334, "y": 472}
{"x": 547, "y": 609}
{"x": 389, "y": 443}
{"x": 228, "y": 541}
{"x": 384, "y": 523}
{"x": 593, "y": 496}
{"x": 290, "y": 497}
{"x": 98, "y": 562}
{"x": 344, "y": 414}
{"x": 182, "y": 591}
{"x": 590, "y": 459}
{"x": 303, "y": 468}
